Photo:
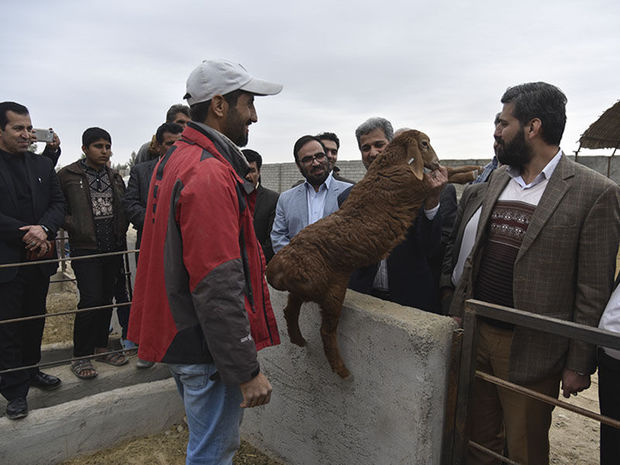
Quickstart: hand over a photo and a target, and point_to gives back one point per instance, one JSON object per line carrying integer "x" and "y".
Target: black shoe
{"x": 17, "y": 408}
{"x": 45, "y": 381}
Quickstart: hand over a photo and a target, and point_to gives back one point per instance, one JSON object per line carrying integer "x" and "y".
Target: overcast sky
{"x": 437, "y": 66}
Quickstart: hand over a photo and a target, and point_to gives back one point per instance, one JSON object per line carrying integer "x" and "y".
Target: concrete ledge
{"x": 50, "y": 435}
{"x": 73, "y": 388}
{"x": 390, "y": 413}
{"x": 56, "y": 351}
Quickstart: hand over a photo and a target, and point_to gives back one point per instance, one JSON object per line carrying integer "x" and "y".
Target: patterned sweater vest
{"x": 507, "y": 227}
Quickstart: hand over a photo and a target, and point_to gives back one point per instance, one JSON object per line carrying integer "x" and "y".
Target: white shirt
{"x": 316, "y": 200}
{"x": 543, "y": 176}
{"x": 610, "y": 320}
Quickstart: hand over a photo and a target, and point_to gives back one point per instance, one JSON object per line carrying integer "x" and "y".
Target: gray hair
{"x": 374, "y": 123}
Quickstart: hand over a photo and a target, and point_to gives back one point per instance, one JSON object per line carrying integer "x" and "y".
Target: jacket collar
{"x": 226, "y": 148}
{"x": 556, "y": 188}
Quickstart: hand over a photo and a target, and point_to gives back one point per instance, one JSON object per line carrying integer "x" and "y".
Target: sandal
{"x": 117, "y": 359}
{"x": 83, "y": 369}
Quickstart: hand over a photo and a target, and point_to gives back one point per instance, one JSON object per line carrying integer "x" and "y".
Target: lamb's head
{"x": 413, "y": 148}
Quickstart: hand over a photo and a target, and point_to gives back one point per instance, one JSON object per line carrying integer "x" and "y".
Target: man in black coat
{"x": 405, "y": 276}
{"x": 31, "y": 211}
{"x": 137, "y": 191}
{"x": 265, "y": 207}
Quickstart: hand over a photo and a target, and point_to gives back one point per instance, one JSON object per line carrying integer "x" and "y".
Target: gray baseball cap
{"x": 220, "y": 77}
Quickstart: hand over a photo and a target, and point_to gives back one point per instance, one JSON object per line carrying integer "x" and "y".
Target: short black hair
{"x": 172, "y": 128}
{"x": 543, "y": 101}
{"x": 174, "y": 110}
{"x": 303, "y": 140}
{"x": 10, "y": 106}
{"x": 94, "y": 134}
{"x": 253, "y": 156}
{"x": 329, "y": 136}
{"x": 199, "y": 111}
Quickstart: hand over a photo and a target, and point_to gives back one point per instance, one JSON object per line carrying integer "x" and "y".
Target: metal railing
{"x": 457, "y": 441}
{"x": 63, "y": 260}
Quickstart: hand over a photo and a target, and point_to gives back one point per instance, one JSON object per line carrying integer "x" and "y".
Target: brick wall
{"x": 281, "y": 176}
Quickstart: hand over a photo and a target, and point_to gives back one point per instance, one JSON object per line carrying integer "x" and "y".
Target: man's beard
{"x": 316, "y": 179}
{"x": 515, "y": 152}
{"x": 234, "y": 128}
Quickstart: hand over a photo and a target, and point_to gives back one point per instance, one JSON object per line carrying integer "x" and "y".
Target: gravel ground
{"x": 167, "y": 448}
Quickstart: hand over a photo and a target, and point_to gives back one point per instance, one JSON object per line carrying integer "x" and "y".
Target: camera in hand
{"x": 44, "y": 135}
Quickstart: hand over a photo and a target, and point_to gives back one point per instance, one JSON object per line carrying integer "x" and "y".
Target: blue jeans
{"x": 213, "y": 414}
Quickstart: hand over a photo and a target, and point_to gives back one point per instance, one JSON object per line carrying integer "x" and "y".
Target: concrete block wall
{"x": 391, "y": 412}
{"x": 281, "y": 176}
{"x": 58, "y": 433}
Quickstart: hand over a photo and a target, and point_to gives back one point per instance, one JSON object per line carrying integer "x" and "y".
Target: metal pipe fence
{"x": 474, "y": 309}
{"x": 62, "y": 260}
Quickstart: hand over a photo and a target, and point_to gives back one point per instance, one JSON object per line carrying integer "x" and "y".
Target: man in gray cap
{"x": 201, "y": 303}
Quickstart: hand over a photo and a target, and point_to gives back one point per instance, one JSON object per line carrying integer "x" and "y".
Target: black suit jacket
{"x": 137, "y": 193}
{"x": 264, "y": 213}
{"x": 48, "y": 207}
{"x": 447, "y": 210}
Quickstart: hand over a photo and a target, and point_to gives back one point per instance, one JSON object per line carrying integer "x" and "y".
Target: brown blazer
{"x": 564, "y": 269}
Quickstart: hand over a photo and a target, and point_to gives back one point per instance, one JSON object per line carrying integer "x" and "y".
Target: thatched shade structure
{"x": 604, "y": 133}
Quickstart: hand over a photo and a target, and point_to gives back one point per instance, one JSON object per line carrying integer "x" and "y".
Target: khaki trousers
{"x": 498, "y": 416}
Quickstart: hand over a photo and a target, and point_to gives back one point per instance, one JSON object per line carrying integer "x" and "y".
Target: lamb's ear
{"x": 414, "y": 159}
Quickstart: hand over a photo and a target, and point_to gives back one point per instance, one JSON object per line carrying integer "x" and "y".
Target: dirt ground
{"x": 574, "y": 439}
{"x": 167, "y": 448}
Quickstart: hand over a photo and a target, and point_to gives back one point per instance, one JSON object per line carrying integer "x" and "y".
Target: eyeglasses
{"x": 310, "y": 158}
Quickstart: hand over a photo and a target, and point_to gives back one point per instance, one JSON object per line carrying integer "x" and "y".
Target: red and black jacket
{"x": 200, "y": 292}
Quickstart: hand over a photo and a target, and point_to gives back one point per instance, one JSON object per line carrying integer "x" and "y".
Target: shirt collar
{"x": 327, "y": 183}
{"x": 545, "y": 174}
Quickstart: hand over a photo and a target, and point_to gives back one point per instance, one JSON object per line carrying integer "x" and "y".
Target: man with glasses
{"x": 306, "y": 203}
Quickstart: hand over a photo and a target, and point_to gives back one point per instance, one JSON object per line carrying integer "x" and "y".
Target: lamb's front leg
{"x": 291, "y": 314}
{"x": 463, "y": 174}
{"x": 331, "y": 307}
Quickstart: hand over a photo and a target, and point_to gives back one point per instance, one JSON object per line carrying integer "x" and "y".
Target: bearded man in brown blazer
{"x": 546, "y": 238}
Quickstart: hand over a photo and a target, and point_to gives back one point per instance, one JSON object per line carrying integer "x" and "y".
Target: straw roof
{"x": 604, "y": 133}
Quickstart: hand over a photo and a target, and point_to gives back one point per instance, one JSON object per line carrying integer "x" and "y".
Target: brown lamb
{"x": 316, "y": 265}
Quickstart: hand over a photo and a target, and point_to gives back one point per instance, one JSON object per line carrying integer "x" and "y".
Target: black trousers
{"x": 609, "y": 400}
{"x": 96, "y": 278}
{"x": 20, "y": 343}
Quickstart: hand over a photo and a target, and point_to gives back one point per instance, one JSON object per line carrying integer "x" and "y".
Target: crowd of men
{"x": 536, "y": 231}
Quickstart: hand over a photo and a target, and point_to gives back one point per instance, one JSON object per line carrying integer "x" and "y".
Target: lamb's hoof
{"x": 344, "y": 373}
{"x": 299, "y": 341}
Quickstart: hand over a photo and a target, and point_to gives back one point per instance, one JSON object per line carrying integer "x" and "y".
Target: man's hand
{"x": 435, "y": 182}
{"x": 43, "y": 249}
{"x": 256, "y": 392}
{"x": 573, "y": 382}
{"x": 35, "y": 236}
